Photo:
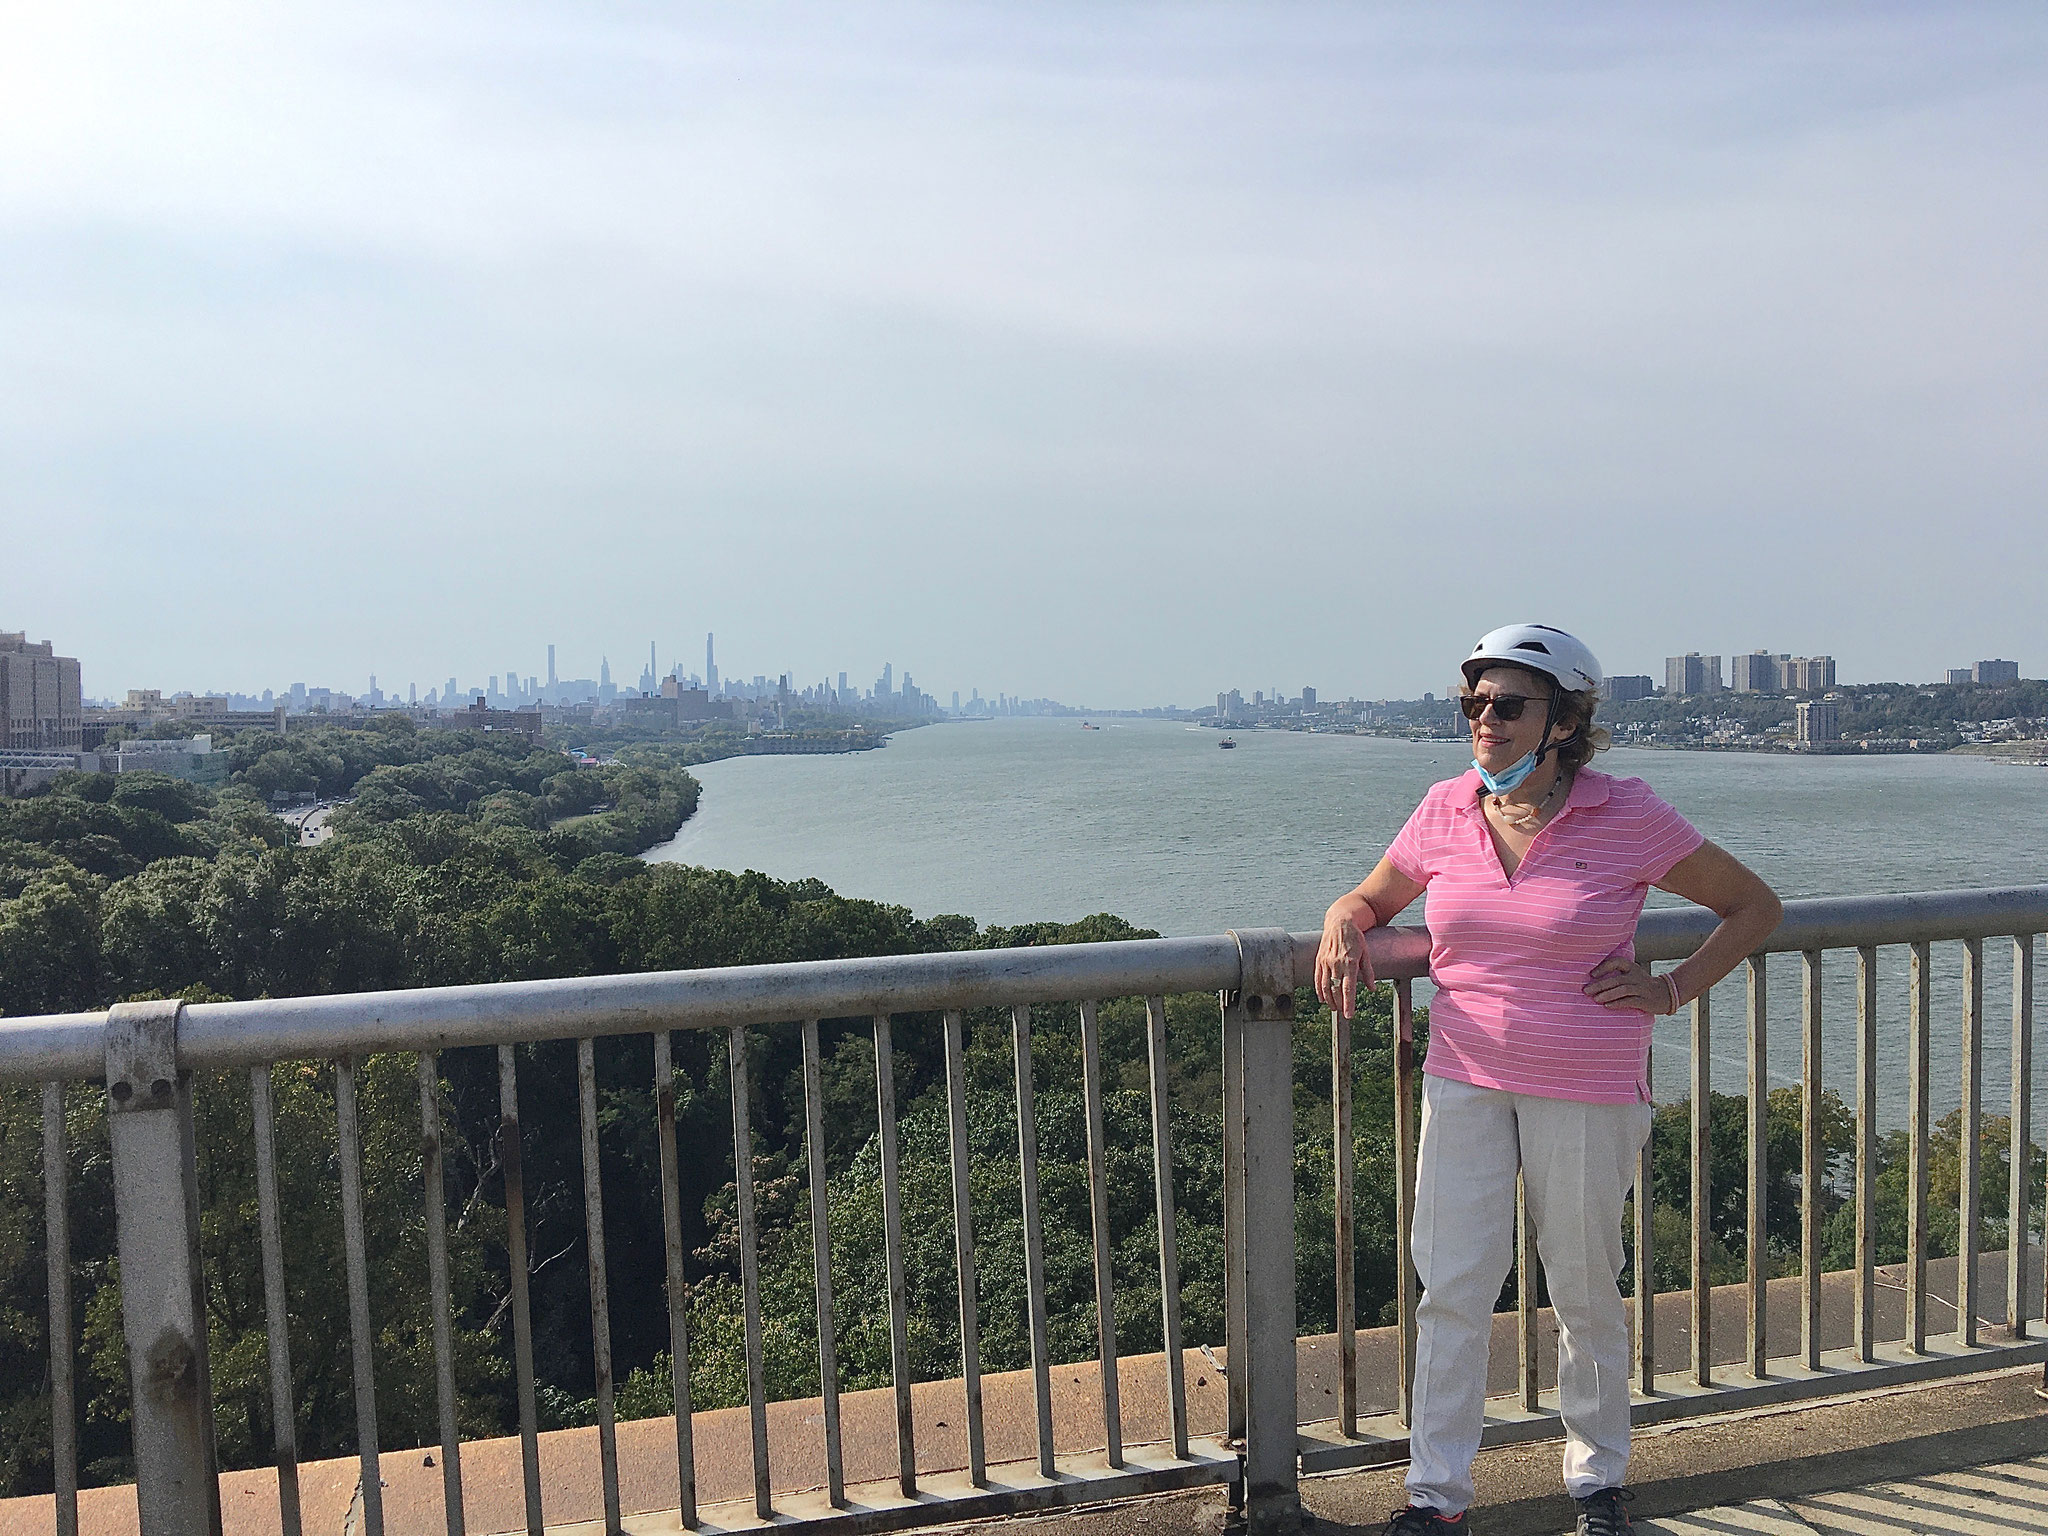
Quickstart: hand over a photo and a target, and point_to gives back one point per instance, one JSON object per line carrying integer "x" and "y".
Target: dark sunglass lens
{"x": 1506, "y": 706}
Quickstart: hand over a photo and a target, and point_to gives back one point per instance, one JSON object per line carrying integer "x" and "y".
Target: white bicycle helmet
{"x": 1540, "y": 648}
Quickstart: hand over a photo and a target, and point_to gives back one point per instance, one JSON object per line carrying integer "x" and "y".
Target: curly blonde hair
{"x": 1575, "y": 713}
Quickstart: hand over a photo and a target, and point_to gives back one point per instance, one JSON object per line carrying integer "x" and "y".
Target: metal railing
{"x": 149, "y": 1053}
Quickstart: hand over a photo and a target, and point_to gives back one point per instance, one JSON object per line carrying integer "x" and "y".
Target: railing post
{"x": 156, "y": 1216}
{"x": 1264, "y": 1008}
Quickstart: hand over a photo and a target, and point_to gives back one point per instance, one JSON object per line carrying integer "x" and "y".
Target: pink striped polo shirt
{"x": 1510, "y": 958}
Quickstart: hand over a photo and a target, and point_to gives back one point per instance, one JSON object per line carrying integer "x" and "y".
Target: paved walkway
{"x": 2007, "y": 1497}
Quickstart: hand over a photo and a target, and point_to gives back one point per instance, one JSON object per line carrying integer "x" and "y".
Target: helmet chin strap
{"x": 1550, "y": 724}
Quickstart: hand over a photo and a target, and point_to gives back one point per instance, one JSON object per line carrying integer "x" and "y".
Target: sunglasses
{"x": 1506, "y": 706}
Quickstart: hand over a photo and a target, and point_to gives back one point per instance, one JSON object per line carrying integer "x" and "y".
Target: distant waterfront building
{"x": 1995, "y": 672}
{"x": 1625, "y": 688}
{"x": 1691, "y": 673}
{"x": 1959, "y": 676}
{"x": 1756, "y": 672}
{"x": 1820, "y": 721}
{"x": 41, "y": 700}
{"x": 1308, "y": 698}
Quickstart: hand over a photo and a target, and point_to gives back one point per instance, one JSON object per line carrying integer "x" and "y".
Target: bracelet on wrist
{"x": 1671, "y": 981}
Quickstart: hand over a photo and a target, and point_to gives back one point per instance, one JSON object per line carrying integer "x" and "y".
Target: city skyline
{"x": 1122, "y": 354}
{"x": 552, "y": 683}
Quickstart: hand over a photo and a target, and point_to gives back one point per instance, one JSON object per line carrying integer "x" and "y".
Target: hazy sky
{"x": 1117, "y": 353}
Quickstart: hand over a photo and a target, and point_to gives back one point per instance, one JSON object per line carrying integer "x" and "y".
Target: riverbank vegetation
{"x": 463, "y": 858}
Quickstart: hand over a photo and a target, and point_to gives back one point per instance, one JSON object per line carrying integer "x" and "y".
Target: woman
{"x": 1536, "y": 868}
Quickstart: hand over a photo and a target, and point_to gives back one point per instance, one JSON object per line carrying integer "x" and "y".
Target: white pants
{"x": 1580, "y": 1163}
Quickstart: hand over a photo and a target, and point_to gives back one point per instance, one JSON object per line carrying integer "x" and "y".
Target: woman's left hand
{"x": 1626, "y": 984}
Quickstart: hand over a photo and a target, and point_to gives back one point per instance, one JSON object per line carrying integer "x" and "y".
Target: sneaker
{"x": 1601, "y": 1514}
{"x": 1421, "y": 1520}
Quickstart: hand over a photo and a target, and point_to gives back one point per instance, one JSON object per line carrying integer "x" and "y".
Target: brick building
{"x": 40, "y": 697}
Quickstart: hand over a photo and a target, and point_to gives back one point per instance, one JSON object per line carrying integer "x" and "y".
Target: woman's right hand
{"x": 1342, "y": 963}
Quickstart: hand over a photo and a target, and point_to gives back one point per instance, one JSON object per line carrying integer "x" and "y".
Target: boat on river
{"x": 1227, "y": 743}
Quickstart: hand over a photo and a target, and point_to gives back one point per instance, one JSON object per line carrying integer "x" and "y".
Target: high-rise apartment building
{"x": 1755, "y": 672}
{"x": 1995, "y": 672}
{"x": 41, "y": 701}
{"x": 1692, "y": 673}
{"x": 1625, "y": 687}
{"x": 1308, "y": 698}
{"x": 1808, "y": 674}
{"x": 1820, "y": 721}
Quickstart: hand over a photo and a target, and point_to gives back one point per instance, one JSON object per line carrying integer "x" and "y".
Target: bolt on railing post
{"x": 1264, "y": 1009}
{"x": 156, "y": 1217}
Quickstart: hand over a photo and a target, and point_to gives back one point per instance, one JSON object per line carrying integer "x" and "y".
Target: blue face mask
{"x": 1510, "y": 778}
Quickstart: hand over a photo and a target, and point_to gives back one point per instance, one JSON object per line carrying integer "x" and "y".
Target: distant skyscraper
{"x": 1755, "y": 672}
{"x": 885, "y": 685}
{"x": 551, "y": 668}
{"x": 1623, "y": 688}
{"x": 1995, "y": 672}
{"x": 1308, "y": 698}
{"x": 1819, "y": 721}
{"x": 1692, "y": 673}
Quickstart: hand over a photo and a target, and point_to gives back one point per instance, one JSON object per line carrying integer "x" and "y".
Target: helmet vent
{"x": 1533, "y": 645}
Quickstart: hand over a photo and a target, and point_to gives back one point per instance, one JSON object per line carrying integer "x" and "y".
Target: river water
{"x": 1020, "y": 820}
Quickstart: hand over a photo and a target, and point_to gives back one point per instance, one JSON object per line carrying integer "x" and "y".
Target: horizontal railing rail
{"x": 150, "y": 1056}
{"x": 215, "y": 1036}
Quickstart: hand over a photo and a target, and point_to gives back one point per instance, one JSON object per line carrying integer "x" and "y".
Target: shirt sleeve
{"x": 1410, "y": 850}
{"x": 1665, "y": 838}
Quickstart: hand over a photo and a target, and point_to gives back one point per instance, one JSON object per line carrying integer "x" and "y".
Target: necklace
{"x": 1526, "y": 818}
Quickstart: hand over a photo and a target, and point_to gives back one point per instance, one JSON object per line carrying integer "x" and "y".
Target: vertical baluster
{"x": 1702, "y": 1197}
{"x": 600, "y": 1288}
{"x": 1169, "y": 1252}
{"x": 1646, "y": 1275}
{"x": 1969, "y": 1205}
{"x": 1759, "y": 1187}
{"x": 1034, "y": 1236}
{"x": 355, "y": 1256}
{"x": 821, "y": 1264}
{"x": 63, "y": 1343}
{"x": 892, "y": 1247}
{"x": 963, "y": 1245}
{"x": 1919, "y": 1025}
{"x": 284, "y": 1436}
{"x": 678, "y": 1293}
{"x": 1866, "y": 1153}
{"x": 1098, "y": 1220}
{"x": 437, "y": 1287}
{"x": 522, "y": 1311}
{"x": 1527, "y": 1268}
{"x": 750, "y": 1264}
{"x": 1404, "y": 1189}
{"x": 2020, "y": 1153}
{"x": 1235, "y": 1325}
{"x": 1342, "y": 1155}
{"x": 1810, "y": 1159}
